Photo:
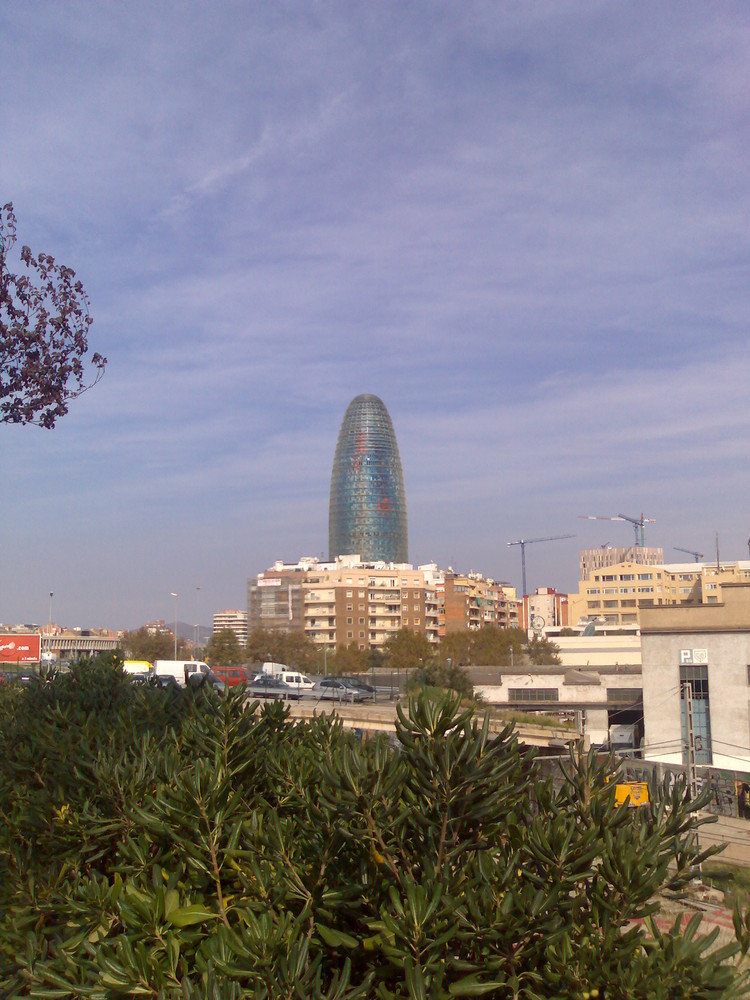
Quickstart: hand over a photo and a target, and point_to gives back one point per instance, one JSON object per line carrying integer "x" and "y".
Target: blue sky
{"x": 522, "y": 225}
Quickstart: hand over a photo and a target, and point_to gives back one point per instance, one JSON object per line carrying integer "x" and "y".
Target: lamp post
{"x": 172, "y": 594}
{"x": 49, "y": 631}
{"x": 198, "y": 626}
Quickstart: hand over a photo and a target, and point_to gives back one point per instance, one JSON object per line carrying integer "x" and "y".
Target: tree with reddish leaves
{"x": 44, "y": 324}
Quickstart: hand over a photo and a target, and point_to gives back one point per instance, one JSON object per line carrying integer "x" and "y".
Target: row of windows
{"x": 533, "y": 694}
{"x": 626, "y": 577}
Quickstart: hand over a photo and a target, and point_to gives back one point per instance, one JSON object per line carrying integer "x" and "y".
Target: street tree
{"x": 44, "y": 325}
{"x": 456, "y": 647}
{"x": 349, "y": 660}
{"x": 491, "y": 645}
{"x": 407, "y": 650}
{"x": 150, "y": 644}
{"x": 542, "y": 650}
{"x": 282, "y": 646}
{"x": 225, "y": 648}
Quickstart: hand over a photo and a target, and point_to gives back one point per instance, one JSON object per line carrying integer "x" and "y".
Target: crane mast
{"x": 523, "y": 542}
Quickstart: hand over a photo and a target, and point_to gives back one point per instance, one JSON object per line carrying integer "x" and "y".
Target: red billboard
{"x": 20, "y": 648}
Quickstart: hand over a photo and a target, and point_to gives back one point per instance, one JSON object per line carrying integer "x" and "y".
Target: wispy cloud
{"x": 521, "y": 226}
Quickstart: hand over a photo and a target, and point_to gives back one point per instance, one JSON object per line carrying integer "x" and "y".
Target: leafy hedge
{"x": 170, "y": 844}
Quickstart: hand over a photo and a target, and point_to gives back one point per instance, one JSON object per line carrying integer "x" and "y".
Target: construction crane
{"x": 523, "y": 542}
{"x": 691, "y": 552}
{"x": 637, "y": 522}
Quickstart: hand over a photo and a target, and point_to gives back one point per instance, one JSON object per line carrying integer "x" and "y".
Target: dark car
{"x": 337, "y": 689}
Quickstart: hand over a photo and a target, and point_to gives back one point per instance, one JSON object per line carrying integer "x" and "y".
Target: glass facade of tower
{"x": 367, "y": 512}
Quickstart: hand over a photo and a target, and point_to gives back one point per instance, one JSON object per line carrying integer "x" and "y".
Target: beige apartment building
{"x": 349, "y": 601}
{"x": 233, "y": 620}
{"x": 470, "y": 602}
{"x": 614, "y": 594}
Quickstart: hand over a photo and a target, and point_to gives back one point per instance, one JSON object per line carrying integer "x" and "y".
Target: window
{"x": 625, "y": 696}
{"x": 350, "y": 593}
{"x": 361, "y": 635}
{"x": 697, "y": 678}
{"x": 349, "y": 621}
{"x": 646, "y": 576}
{"x": 533, "y": 694}
{"x": 361, "y": 593}
{"x": 361, "y": 621}
{"x": 349, "y": 635}
{"x": 417, "y": 621}
{"x": 625, "y": 577}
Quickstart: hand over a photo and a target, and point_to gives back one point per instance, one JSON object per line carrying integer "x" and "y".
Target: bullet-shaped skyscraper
{"x": 367, "y": 511}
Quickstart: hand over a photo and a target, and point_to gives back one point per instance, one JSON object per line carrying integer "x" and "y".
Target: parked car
{"x": 367, "y": 690}
{"x": 267, "y": 686}
{"x": 337, "y": 689}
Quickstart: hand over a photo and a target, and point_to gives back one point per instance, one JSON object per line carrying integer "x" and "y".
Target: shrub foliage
{"x": 171, "y": 844}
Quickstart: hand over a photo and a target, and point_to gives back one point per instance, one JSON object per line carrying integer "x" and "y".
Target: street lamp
{"x": 172, "y": 594}
{"x": 198, "y": 616}
{"x": 49, "y": 630}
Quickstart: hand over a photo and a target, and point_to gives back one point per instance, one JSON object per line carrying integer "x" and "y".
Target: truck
{"x": 141, "y": 668}
{"x": 623, "y": 736}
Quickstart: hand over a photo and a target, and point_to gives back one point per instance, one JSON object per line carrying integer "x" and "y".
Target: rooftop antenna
{"x": 718, "y": 564}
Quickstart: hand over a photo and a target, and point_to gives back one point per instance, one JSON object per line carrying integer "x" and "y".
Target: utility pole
{"x": 692, "y": 774}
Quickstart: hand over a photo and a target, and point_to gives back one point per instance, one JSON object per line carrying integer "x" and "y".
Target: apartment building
{"x": 471, "y": 601}
{"x": 616, "y": 593}
{"x": 543, "y": 610}
{"x": 275, "y": 598}
{"x": 232, "y": 620}
{"x": 591, "y": 560}
{"x": 350, "y": 601}
{"x": 366, "y": 604}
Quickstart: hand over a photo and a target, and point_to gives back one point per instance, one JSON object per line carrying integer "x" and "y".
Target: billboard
{"x": 16, "y": 648}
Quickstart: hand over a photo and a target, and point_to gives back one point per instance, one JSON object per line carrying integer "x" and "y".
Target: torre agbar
{"x": 367, "y": 512}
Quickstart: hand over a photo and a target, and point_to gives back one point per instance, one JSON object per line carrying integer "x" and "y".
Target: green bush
{"x": 171, "y": 845}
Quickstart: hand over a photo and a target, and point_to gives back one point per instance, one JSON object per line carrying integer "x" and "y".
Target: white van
{"x": 289, "y": 676}
{"x": 296, "y": 680}
{"x": 182, "y": 670}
